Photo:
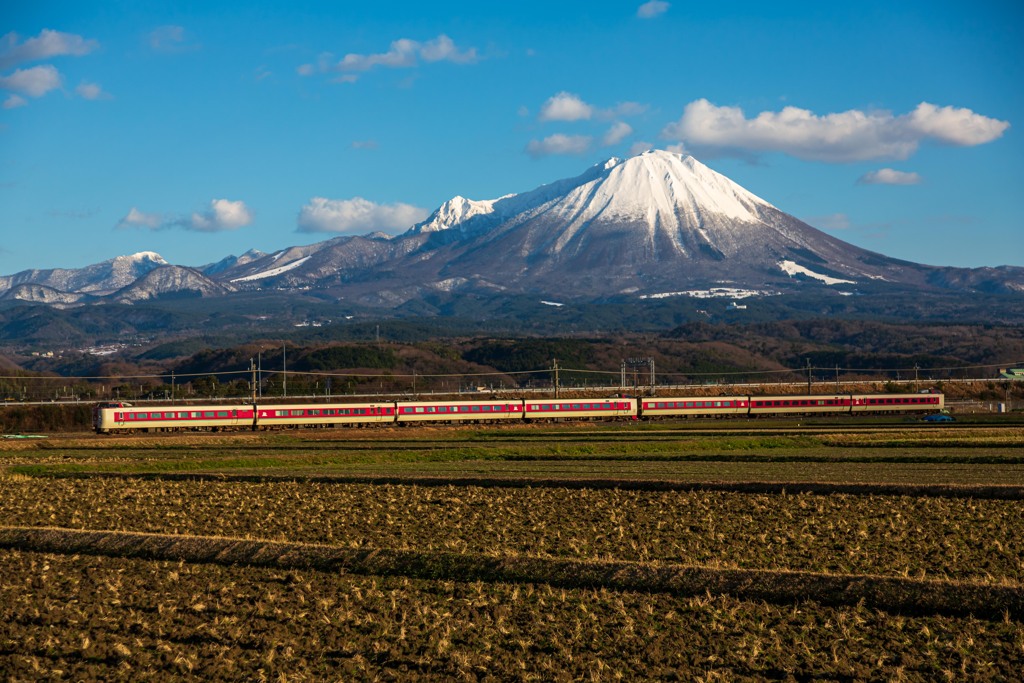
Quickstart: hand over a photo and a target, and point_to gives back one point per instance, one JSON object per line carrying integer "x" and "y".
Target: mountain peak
{"x": 144, "y": 256}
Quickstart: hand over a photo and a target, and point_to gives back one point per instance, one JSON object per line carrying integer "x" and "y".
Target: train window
{"x": 486, "y": 409}
{"x": 718, "y": 404}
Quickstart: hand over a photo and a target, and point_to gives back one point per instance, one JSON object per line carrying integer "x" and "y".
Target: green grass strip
{"x": 893, "y": 594}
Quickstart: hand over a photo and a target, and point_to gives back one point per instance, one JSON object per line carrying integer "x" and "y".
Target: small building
{"x": 1012, "y": 373}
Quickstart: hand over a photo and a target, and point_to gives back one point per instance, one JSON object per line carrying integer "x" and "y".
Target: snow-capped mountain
{"x": 98, "y": 279}
{"x": 170, "y": 280}
{"x": 654, "y": 225}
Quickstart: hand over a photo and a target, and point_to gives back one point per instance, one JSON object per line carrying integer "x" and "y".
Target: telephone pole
{"x": 554, "y": 369}
{"x": 284, "y": 369}
{"x": 808, "y": 375}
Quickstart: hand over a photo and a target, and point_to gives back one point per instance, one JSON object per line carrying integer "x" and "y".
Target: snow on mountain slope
{"x": 100, "y": 278}
{"x": 791, "y": 269}
{"x": 272, "y": 272}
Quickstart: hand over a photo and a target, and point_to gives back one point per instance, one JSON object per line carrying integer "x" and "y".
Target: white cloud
{"x": 840, "y": 137}
{"x": 639, "y": 147}
{"x": 171, "y": 38}
{"x": 619, "y": 131}
{"x": 364, "y": 144}
{"x": 15, "y": 101}
{"x": 47, "y": 44}
{"x": 357, "y": 215}
{"x": 402, "y": 53}
{"x": 91, "y": 91}
{"x": 442, "y": 49}
{"x": 305, "y": 69}
{"x": 559, "y": 143}
{"x": 888, "y": 176}
{"x": 652, "y": 9}
{"x": 954, "y": 126}
{"x": 223, "y": 214}
{"x": 833, "y": 221}
{"x": 565, "y": 106}
{"x": 34, "y": 82}
{"x": 139, "y": 219}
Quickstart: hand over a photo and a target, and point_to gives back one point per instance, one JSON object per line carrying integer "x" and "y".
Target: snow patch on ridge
{"x": 791, "y": 268}
{"x": 713, "y": 293}
{"x": 273, "y": 271}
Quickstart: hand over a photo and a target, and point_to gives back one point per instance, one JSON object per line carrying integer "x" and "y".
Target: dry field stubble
{"x": 105, "y": 618}
{"x": 135, "y": 619}
{"x": 948, "y": 538}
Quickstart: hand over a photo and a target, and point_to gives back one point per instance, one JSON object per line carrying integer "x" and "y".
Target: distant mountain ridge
{"x": 652, "y": 225}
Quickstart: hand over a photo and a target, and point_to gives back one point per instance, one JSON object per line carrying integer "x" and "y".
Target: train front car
{"x": 116, "y": 417}
{"x": 898, "y": 403}
{"x": 694, "y": 406}
{"x": 580, "y": 408}
{"x": 324, "y": 415}
{"x": 460, "y": 411}
{"x": 800, "y": 405}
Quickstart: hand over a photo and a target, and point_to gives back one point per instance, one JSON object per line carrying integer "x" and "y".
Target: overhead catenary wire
{"x": 178, "y": 376}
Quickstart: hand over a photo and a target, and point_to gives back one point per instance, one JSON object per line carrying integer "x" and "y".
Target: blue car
{"x": 939, "y": 417}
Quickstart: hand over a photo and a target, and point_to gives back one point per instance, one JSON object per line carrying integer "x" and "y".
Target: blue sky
{"x": 206, "y": 129}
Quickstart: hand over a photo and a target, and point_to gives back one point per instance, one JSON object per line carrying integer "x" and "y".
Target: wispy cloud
{"x": 14, "y": 101}
{"x": 34, "y": 82}
{"x": 223, "y": 215}
{"x": 832, "y": 221}
{"x": 91, "y": 91}
{"x": 839, "y": 137}
{"x": 364, "y": 144}
{"x": 651, "y": 9}
{"x": 619, "y": 131}
{"x": 170, "y": 39}
{"x": 357, "y": 215}
{"x": 402, "y": 54}
{"x": 559, "y": 143}
{"x": 888, "y": 176}
{"x": 47, "y": 44}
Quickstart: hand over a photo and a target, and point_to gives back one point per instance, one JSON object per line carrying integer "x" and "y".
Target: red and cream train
{"x": 114, "y": 417}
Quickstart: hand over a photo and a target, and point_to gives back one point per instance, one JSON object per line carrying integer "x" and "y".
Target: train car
{"x": 897, "y": 403}
{"x": 578, "y": 408}
{"x": 459, "y": 411}
{"x": 325, "y": 414}
{"x": 111, "y": 417}
{"x": 694, "y": 406}
{"x": 801, "y": 405}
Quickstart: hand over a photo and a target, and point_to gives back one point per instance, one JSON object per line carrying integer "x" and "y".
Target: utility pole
{"x": 622, "y": 373}
{"x": 808, "y": 375}
{"x": 172, "y": 386}
{"x": 252, "y": 369}
{"x": 651, "y": 362}
{"x": 837, "y": 377}
{"x": 259, "y": 372}
{"x": 554, "y": 368}
{"x": 284, "y": 369}
{"x": 255, "y": 411}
